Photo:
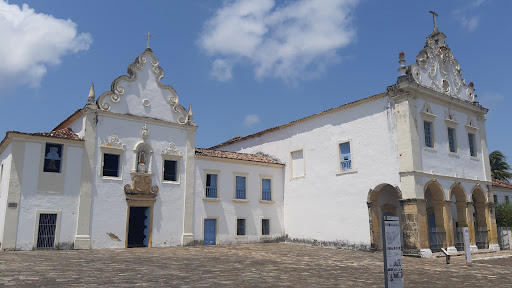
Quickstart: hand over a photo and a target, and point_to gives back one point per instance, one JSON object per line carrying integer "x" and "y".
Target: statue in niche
{"x": 141, "y": 167}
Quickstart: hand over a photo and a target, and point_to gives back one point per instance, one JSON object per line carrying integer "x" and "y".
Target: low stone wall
{"x": 505, "y": 238}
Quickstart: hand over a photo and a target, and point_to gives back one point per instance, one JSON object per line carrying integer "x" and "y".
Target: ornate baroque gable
{"x": 437, "y": 69}
{"x": 142, "y": 94}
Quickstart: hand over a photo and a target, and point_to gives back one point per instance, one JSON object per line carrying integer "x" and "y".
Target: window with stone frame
{"x": 170, "y": 170}
{"x": 111, "y": 165}
{"x": 427, "y": 128}
{"x": 265, "y": 227}
{"x": 240, "y": 227}
{"x": 52, "y": 158}
{"x": 472, "y": 144}
{"x": 266, "y": 189}
{"x": 241, "y": 187}
{"x": 211, "y": 185}
{"x": 452, "y": 143}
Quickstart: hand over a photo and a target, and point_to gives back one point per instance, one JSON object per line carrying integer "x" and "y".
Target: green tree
{"x": 499, "y": 166}
{"x": 504, "y": 214}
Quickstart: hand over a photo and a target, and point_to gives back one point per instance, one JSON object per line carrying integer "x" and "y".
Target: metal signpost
{"x": 467, "y": 248}
{"x": 392, "y": 248}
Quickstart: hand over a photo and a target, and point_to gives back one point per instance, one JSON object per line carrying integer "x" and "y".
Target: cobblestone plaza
{"x": 247, "y": 265}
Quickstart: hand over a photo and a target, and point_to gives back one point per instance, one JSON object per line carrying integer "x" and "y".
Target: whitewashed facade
{"x": 127, "y": 173}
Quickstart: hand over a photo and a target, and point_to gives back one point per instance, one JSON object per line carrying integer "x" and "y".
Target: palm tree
{"x": 499, "y": 166}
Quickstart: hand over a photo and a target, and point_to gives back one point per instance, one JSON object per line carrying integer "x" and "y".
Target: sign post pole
{"x": 392, "y": 248}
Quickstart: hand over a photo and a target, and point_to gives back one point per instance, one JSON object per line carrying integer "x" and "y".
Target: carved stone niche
{"x": 141, "y": 187}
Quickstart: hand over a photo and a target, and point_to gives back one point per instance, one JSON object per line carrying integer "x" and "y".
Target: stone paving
{"x": 248, "y": 265}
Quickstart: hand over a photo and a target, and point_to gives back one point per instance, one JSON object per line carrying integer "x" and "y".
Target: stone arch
{"x": 383, "y": 199}
{"x": 479, "y": 216}
{"x": 435, "y": 207}
{"x": 459, "y": 212}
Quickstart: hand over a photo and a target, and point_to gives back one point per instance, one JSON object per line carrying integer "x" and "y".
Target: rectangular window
{"x": 52, "y": 158}
{"x": 506, "y": 199}
{"x": 427, "y": 127}
{"x": 495, "y": 199}
{"x": 170, "y": 170}
{"x": 472, "y": 150}
{"x": 46, "y": 230}
{"x": 211, "y": 185}
{"x": 240, "y": 187}
{"x": 266, "y": 192}
{"x": 298, "y": 164}
{"x": 111, "y": 165}
{"x": 345, "y": 158}
{"x": 265, "y": 226}
{"x": 240, "y": 227}
{"x": 451, "y": 140}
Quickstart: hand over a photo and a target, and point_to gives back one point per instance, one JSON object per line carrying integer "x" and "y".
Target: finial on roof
{"x": 92, "y": 95}
{"x": 149, "y": 36}
{"x": 402, "y": 67}
{"x": 190, "y": 116}
{"x": 434, "y": 15}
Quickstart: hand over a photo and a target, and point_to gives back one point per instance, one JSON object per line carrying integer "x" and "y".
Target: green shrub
{"x": 504, "y": 214}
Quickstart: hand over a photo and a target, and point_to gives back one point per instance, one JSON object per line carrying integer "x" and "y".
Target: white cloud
{"x": 221, "y": 70}
{"x": 288, "y": 40}
{"x": 31, "y": 41}
{"x": 470, "y": 23}
{"x": 466, "y": 16}
{"x": 251, "y": 120}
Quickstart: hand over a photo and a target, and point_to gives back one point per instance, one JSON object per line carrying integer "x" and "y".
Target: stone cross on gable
{"x": 434, "y": 15}
{"x": 149, "y": 36}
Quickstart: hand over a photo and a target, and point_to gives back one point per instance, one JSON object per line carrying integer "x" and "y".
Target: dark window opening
{"x": 170, "y": 170}
{"x": 111, "y": 165}
{"x": 240, "y": 227}
{"x": 52, "y": 158}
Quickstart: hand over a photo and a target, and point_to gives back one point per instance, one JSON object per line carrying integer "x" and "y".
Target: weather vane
{"x": 434, "y": 14}
{"x": 149, "y": 36}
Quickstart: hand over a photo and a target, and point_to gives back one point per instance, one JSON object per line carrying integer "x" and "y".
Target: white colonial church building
{"x": 125, "y": 171}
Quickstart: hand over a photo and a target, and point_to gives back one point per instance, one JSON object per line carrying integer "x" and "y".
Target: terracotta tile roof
{"x": 236, "y": 156}
{"x": 65, "y": 133}
{"x": 501, "y": 184}
{"x": 239, "y": 138}
{"x": 70, "y": 118}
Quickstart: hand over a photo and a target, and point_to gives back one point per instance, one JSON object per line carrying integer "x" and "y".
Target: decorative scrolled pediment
{"x": 437, "y": 68}
{"x": 172, "y": 150}
{"x": 112, "y": 142}
{"x": 141, "y": 93}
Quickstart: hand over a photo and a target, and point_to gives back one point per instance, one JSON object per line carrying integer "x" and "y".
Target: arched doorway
{"x": 382, "y": 201}
{"x": 459, "y": 214}
{"x": 479, "y": 218}
{"x": 435, "y": 206}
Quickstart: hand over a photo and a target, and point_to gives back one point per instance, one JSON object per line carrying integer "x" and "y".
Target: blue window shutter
{"x": 240, "y": 183}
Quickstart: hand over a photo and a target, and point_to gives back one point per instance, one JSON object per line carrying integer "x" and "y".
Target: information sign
{"x": 392, "y": 247}
{"x": 467, "y": 247}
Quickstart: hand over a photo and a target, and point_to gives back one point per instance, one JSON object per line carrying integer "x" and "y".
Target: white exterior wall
{"x": 5, "y": 160}
{"x": 501, "y": 193}
{"x": 78, "y": 126}
{"x": 109, "y": 199}
{"x": 439, "y": 160}
{"x": 325, "y": 205}
{"x": 64, "y": 203}
{"x": 226, "y": 210}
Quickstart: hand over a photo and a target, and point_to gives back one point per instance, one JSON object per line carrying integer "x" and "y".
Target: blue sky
{"x": 245, "y": 66}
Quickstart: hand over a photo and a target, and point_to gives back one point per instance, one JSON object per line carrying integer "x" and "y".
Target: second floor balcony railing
{"x": 266, "y": 195}
{"x": 240, "y": 194}
{"x": 211, "y": 192}
{"x": 346, "y": 165}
